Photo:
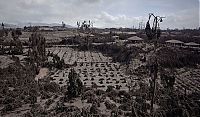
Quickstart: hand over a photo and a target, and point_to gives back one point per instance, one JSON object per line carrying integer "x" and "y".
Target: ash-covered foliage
{"x": 175, "y": 58}
{"x": 19, "y": 87}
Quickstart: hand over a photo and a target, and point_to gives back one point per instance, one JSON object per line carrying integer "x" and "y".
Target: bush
{"x": 101, "y": 82}
{"x": 37, "y": 110}
{"x": 45, "y": 95}
{"x": 92, "y": 100}
{"x": 27, "y": 114}
{"x": 118, "y": 87}
{"x": 117, "y": 112}
{"x": 109, "y": 88}
{"x": 99, "y": 92}
{"x": 125, "y": 107}
{"x": 7, "y": 107}
{"x": 94, "y": 109}
{"x": 30, "y": 99}
{"x": 8, "y": 100}
{"x": 94, "y": 85}
{"x": 52, "y": 87}
{"x": 125, "y": 94}
{"x": 88, "y": 94}
{"x": 48, "y": 103}
{"x": 110, "y": 105}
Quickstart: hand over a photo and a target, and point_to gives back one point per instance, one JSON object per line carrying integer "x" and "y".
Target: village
{"x": 84, "y": 71}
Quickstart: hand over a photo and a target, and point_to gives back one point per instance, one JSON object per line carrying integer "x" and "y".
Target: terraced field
{"x": 188, "y": 79}
{"x": 93, "y": 68}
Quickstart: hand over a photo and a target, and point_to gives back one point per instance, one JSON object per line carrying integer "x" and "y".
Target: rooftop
{"x": 192, "y": 44}
{"x": 174, "y": 41}
{"x": 135, "y": 38}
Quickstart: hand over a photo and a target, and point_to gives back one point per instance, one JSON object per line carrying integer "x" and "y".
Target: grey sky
{"x": 105, "y": 13}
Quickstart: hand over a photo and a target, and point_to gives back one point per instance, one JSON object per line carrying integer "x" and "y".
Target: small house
{"x": 135, "y": 39}
{"x": 174, "y": 42}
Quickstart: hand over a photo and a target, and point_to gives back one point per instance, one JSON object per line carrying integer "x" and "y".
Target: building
{"x": 45, "y": 28}
{"x": 192, "y": 45}
{"x": 174, "y": 42}
{"x": 135, "y": 39}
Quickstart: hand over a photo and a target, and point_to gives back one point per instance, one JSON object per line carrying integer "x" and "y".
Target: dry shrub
{"x": 112, "y": 94}
{"x": 45, "y": 95}
{"x": 51, "y": 87}
{"x": 125, "y": 107}
{"x": 8, "y": 100}
{"x": 109, "y": 88}
{"x": 6, "y": 108}
{"x": 170, "y": 57}
{"x": 48, "y": 103}
{"x": 88, "y": 94}
{"x": 37, "y": 110}
{"x": 117, "y": 112}
{"x": 94, "y": 109}
{"x": 99, "y": 92}
{"x": 125, "y": 94}
{"x": 92, "y": 100}
{"x": 110, "y": 105}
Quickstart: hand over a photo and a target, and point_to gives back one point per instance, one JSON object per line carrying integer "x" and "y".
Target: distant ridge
{"x": 9, "y": 26}
{"x": 21, "y": 25}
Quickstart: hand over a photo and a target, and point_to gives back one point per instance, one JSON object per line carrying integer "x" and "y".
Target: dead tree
{"x": 85, "y": 27}
{"x": 153, "y": 33}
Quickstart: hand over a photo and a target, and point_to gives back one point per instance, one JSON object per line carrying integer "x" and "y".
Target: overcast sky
{"x": 105, "y": 13}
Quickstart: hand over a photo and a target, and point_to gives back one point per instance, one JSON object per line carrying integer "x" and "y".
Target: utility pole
{"x": 154, "y": 33}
